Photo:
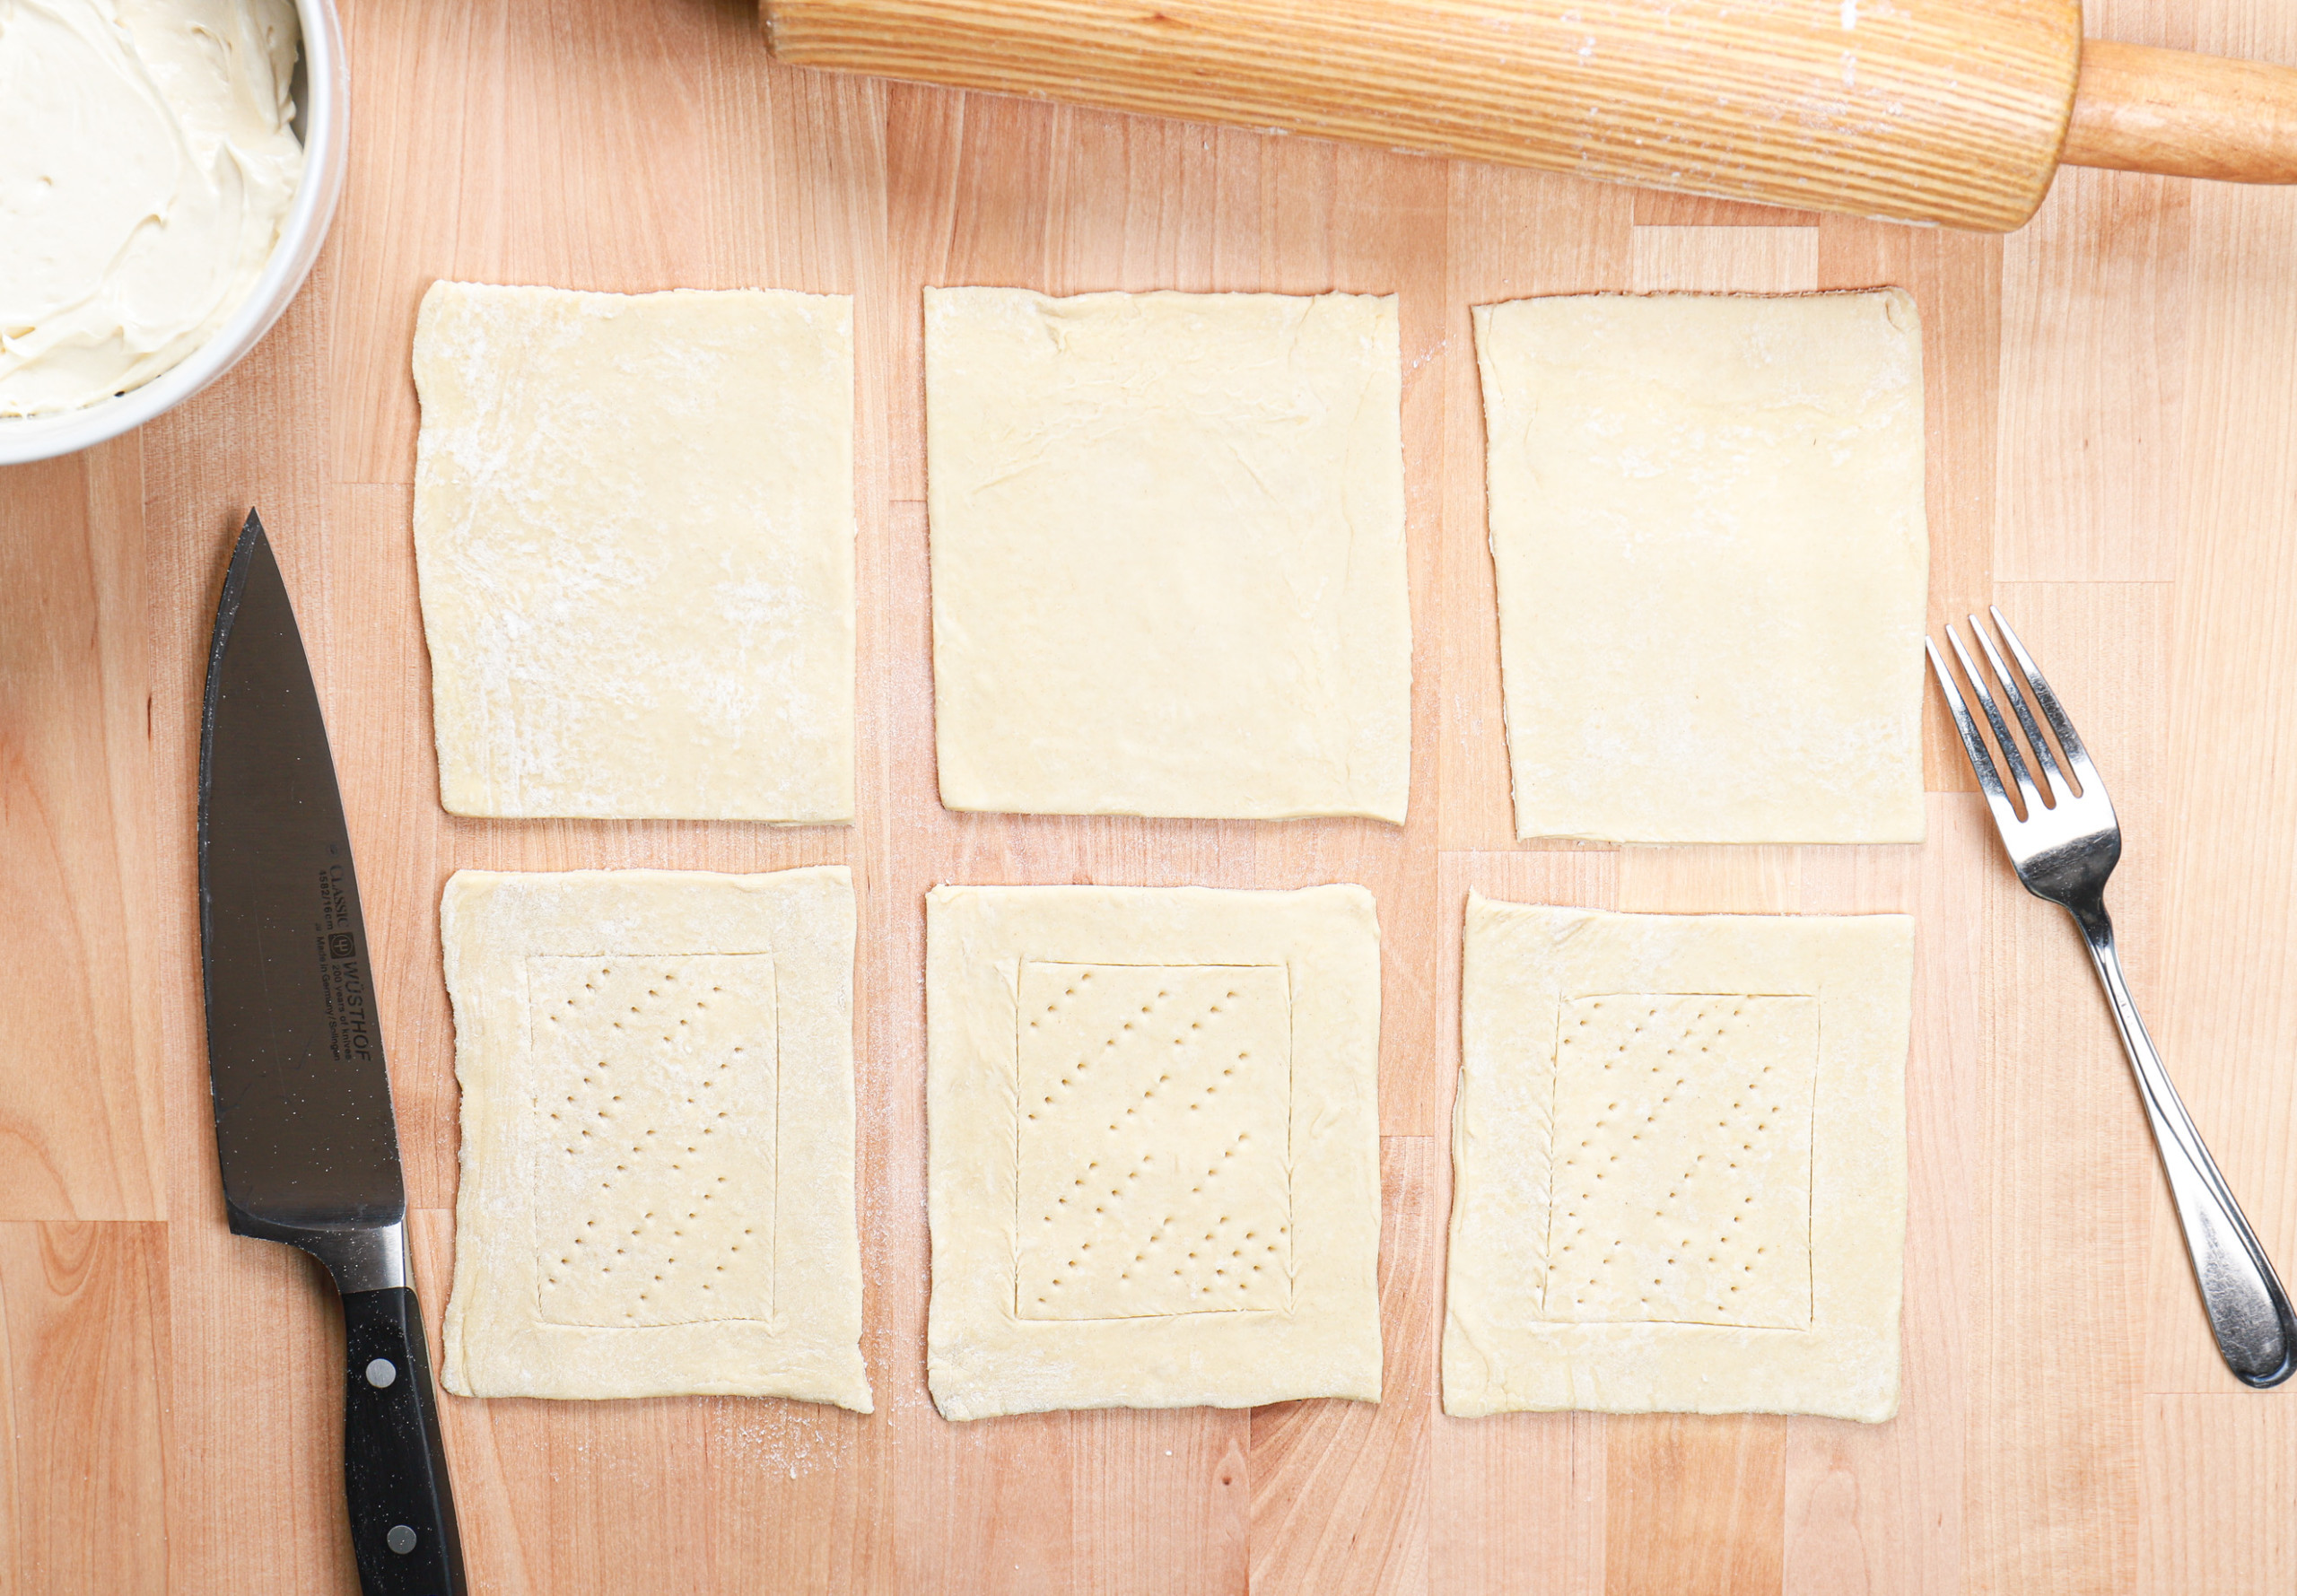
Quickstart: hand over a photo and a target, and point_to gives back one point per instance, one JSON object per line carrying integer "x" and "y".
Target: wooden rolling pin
{"x": 1954, "y": 111}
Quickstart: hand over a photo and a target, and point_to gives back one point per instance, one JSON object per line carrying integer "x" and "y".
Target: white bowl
{"x": 323, "y": 103}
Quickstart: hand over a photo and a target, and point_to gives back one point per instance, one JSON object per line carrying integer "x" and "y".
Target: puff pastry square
{"x": 1707, "y": 526}
{"x": 1168, "y": 553}
{"x": 633, "y": 524}
{"x": 1679, "y": 1163}
{"x": 657, "y": 1191}
{"x": 1153, "y": 1163}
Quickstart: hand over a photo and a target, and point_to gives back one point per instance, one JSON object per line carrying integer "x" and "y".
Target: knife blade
{"x": 304, "y": 1133}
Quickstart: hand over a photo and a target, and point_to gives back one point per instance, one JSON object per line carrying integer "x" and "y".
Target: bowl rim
{"x": 327, "y": 81}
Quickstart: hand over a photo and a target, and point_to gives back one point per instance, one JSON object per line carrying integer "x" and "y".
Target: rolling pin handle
{"x": 2137, "y": 108}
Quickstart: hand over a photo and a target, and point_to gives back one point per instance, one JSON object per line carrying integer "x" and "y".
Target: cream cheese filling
{"x": 147, "y": 168}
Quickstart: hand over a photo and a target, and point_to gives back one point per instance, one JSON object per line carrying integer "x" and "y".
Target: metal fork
{"x": 2064, "y": 846}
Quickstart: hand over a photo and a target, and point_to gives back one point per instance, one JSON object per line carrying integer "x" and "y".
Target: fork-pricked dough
{"x": 657, "y": 1191}
{"x": 1679, "y": 1154}
{"x": 634, "y": 520}
{"x": 1153, "y": 1149}
{"x": 1168, "y": 553}
{"x": 1707, "y": 525}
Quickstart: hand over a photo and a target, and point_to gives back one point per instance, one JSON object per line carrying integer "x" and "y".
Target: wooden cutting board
{"x": 2113, "y": 432}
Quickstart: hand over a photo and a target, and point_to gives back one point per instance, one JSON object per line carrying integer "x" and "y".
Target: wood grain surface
{"x": 2112, "y": 403}
{"x": 2137, "y": 108}
{"x": 1947, "y": 112}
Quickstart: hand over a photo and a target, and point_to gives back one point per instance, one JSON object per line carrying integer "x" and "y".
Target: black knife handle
{"x": 394, "y": 1468}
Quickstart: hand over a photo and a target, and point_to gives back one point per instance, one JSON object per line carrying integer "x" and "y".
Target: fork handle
{"x": 2249, "y": 1312}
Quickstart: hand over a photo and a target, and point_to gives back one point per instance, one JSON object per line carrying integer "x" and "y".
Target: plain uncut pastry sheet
{"x": 1153, "y": 1152}
{"x": 633, "y": 524}
{"x": 1168, "y": 553}
{"x": 1708, "y": 529}
{"x": 1679, "y": 1152}
{"x": 657, "y": 1194}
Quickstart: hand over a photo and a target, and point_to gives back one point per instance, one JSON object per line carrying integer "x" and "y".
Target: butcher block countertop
{"x": 2113, "y": 459}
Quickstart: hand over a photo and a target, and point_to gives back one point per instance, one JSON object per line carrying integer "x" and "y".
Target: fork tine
{"x": 2076, "y": 757}
{"x": 2059, "y": 791}
{"x": 1989, "y": 781}
{"x": 2009, "y": 744}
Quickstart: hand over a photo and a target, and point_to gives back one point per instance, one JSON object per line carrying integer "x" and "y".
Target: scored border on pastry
{"x": 1167, "y": 545}
{"x": 1156, "y": 1120}
{"x": 656, "y": 1193}
{"x": 1682, "y": 1127}
{"x": 1153, "y": 1146}
{"x": 654, "y": 1141}
{"x": 1679, "y": 1163}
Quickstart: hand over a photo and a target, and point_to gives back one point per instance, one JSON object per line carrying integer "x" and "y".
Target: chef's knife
{"x": 302, "y": 1102}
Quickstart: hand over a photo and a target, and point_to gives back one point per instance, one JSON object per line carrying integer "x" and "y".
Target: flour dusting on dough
{"x": 634, "y": 529}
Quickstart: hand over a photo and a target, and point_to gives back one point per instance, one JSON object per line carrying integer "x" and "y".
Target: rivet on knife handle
{"x": 304, "y": 1134}
{"x": 403, "y": 1529}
